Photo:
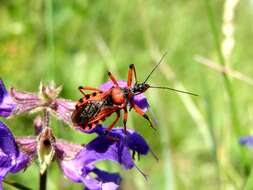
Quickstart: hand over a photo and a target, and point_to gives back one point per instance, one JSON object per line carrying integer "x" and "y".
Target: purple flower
{"x": 132, "y": 140}
{"x": 118, "y": 143}
{"x": 15, "y": 103}
{"x": 25, "y": 101}
{"x": 6, "y": 102}
{"x": 11, "y": 159}
{"x": 247, "y": 140}
{"x": 140, "y": 99}
{"x": 77, "y": 162}
{"x": 64, "y": 109}
{"x": 76, "y": 172}
{"x": 78, "y": 167}
{"x": 115, "y": 146}
{"x": 109, "y": 181}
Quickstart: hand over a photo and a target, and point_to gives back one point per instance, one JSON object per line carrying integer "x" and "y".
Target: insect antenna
{"x": 141, "y": 172}
{"x": 154, "y": 155}
{"x": 160, "y": 61}
{"x": 167, "y": 88}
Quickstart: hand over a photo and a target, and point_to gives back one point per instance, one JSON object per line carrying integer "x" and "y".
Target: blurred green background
{"x": 76, "y": 42}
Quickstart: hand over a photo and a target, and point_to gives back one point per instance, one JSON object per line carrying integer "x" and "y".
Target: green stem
{"x": 49, "y": 25}
{"x": 237, "y": 131}
{"x": 43, "y": 181}
{"x": 46, "y": 118}
{"x": 227, "y": 82}
{"x": 43, "y": 177}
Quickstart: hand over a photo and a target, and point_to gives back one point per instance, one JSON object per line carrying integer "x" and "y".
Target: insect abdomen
{"x": 85, "y": 113}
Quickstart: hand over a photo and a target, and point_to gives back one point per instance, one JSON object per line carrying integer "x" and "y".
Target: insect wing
{"x": 85, "y": 112}
{"x": 104, "y": 113}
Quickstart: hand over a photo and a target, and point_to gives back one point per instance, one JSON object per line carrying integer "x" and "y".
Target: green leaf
{"x": 16, "y": 185}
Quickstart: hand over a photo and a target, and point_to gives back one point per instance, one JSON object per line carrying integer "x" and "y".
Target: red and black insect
{"x": 98, "y": 105}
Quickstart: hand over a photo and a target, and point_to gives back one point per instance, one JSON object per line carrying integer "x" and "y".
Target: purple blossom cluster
{"x": 78, "y": 162}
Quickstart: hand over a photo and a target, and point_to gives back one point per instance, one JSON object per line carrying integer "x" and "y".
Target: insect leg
{"x": 83, "y": 88}
{"x": 125, "y": 119}
{"x": 114, "y": 122}
{"x": 131, "y": 71}
{"x": 138, "y": 110}
{"x": 113, "y": 79}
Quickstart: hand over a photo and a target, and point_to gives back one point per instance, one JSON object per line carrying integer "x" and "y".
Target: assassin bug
{"x": 98, "y": 105}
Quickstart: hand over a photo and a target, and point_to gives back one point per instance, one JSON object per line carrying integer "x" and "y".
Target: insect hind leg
{"x": 125, "y": 119}
{"x": 114, "y": 122}
{"x": 110, "y": 128}
{"x": 82, "y": 89}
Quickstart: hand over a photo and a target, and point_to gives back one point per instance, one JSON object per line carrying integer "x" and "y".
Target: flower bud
{"x": 45, "y": 148}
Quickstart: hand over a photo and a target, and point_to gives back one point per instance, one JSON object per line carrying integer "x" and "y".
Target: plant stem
{"x": 227, "y": 82}
{"x": 50, "y": 47}
{"x": 46, "y": 118}
{"x": 43, "y": 181}
{"x": 43, "y": 177}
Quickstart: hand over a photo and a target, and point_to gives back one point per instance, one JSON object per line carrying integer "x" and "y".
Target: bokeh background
{"x": 209, "y": 52}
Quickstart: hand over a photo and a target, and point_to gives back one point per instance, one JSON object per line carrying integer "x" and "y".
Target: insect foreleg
{"x": 113, "y": 79}
{"x": 138, "y": 110}
{"x": 131, "y": 71}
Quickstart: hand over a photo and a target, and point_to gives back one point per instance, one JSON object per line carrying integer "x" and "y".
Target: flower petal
{"x": 103, "y": 181}
{"x": 25, "y": 101}
{"x": 132, "y": 139}
{"x": 72, "y": 170}
{"x": 140, "y": 99}
{"x": 102, "y": 148}
{"x": 247, "y": 140}
{"x": 136, "y": 142}
{"x": 23, "y": 97}
{"x": 79, "y": 173}
{"x": 91, "y": 183}
{"x": 97, "y": 150}
{"x": 7, "y": 141}
{"x": 110, "y": 180}
{"x": 63, "y": 110}
{"x": 20, "y": 163}
{"x": 10, "y": 158}
{"x": 6, "y": 102}
{"x": 66, "y": 151}
{"x": 27, "y": 145}
{"x": 96, "y": 184}
{"x": 5, "y": 164}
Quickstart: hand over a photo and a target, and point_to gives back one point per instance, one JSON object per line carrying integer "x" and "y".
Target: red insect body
{"x": 99, "y": 105}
